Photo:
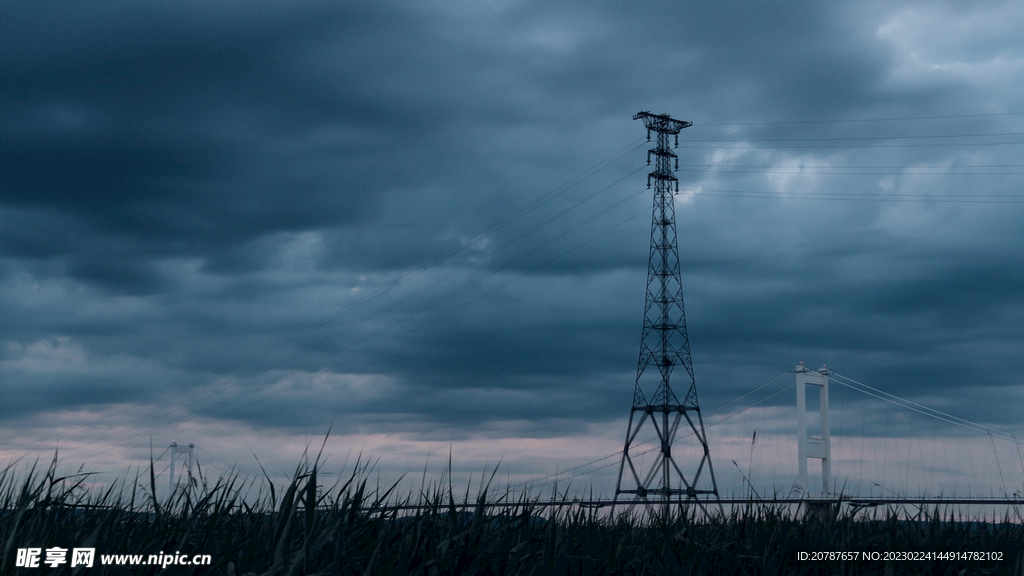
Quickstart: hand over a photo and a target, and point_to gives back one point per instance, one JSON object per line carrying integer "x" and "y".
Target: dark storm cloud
{"x": 280, "y": 205}
{"x": 159, "y": 125}
{"x": 191, "y": 129}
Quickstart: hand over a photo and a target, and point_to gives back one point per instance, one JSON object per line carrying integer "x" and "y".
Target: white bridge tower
{"x": 815, "y": 446}
{"x": 175, "y": 450}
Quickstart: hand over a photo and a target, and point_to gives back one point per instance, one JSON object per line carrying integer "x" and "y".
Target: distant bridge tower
{"x": 175, "y": 450}
{"x": 816, "y": 446}
{"x": 664, "y": 345}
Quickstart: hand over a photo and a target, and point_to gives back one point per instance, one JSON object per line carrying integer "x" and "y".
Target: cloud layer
{"x": 430, "y": 219}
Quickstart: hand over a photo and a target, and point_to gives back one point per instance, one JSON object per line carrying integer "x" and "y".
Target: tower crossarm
{"x": 662, "y": 122}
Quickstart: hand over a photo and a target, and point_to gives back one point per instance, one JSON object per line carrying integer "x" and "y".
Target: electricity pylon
{"x": 664, "y": 345}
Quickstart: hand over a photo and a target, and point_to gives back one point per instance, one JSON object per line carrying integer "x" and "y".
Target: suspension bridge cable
{"x": 1020, "y": 459}
{"x": 925, "y": 410}
{"x": 963, "y": 422}
{"x": 998, "y": 465}
{"x": 976, "y": 429}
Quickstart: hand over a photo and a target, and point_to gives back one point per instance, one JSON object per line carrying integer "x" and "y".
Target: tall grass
{"x": 249, "y": 526}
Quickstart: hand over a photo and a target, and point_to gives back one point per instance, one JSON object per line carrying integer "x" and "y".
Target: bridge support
{"x": 175, "y": 450}
{"x": 816, "y": 446}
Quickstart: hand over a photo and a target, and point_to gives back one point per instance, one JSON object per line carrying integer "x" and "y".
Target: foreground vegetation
{"x": 249, "y": 526}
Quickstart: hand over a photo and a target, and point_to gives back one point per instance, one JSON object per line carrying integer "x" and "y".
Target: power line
{"x": 839, "y": 171}
{"x": 998, "y": 198}
{"x": 266, "y": 367}
{"x": 251, "y": 391}
{"x": 619, "y": 453}
{"x": 843, "y": 138}
{"x": 852, "y": 146}
{"x": 900, "y": 170}
{"x": 656, "y": 448}
{"x": 854, "y": 120}
{"x": 862, "y": 196}
{"x": 839, "y": 379}
{"x": 796, "y": 166}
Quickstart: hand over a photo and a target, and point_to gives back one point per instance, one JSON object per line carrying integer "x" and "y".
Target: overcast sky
{"x": 426, "y": 223}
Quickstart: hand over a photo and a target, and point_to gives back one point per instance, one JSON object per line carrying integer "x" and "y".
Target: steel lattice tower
{"x": 664, "y": 345}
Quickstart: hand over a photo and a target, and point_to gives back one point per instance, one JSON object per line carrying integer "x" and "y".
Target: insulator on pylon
{"x": 648, "y": 180}
{"x": 648, "y": 157}
{"x": 677, "y": 162}
{"x": 648, "y": 135}
{"x": 677, "y": 186}
{"x": 677, "y": 140}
